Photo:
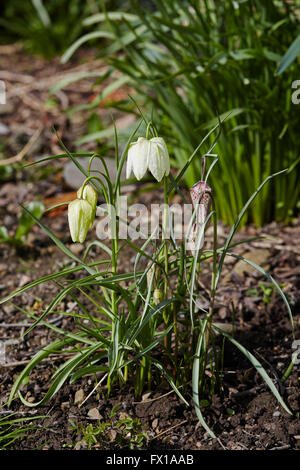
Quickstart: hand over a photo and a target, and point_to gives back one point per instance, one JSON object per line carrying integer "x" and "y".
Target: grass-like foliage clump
{"x": 152, "y": 323}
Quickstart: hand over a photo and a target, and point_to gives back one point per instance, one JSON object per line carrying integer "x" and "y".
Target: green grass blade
{"x": 160, "y": 367}
{"x": 237, "y": 222}
{"x": 257, "y": 366}
{"x": 290, "y": 55}
{"x": 111, "y": 15}
{"x": 55, "y": 157}
{"x": 49, "y": 277}
{"x": 60, "y": 380}
{"x": 60, "y": 244}
{"x": 86, "y": 37}
{"x": 195, "y": 377}
{"x": 43, "y": 353}
{"x": 272, "y": 280}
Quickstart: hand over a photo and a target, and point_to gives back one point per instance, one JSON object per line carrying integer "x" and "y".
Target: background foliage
{"x": 190, "y": 61}
{"x": 48, "y": 27}
{"x": 193, "y": 60}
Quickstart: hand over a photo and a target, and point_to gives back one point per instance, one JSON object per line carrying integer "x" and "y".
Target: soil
{"x": 244, "y": 416}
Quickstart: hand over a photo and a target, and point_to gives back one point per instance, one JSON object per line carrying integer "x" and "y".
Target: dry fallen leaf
{"x": 53, "y": 201}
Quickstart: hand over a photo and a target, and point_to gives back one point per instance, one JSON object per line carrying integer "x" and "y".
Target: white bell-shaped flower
{"x": 149, "y": 155}
{"x": 80, "y": 216}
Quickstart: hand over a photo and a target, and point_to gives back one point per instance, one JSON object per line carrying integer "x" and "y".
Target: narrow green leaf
{"x": 237, "y": 222}
{"x": 60, "y": 380}
{"x": 272, "y": 280}
{"x": 257, "y": 366}
{"x": 195, "y": 377}
{"x": 53, "y": 347}
{"x": 73, "y": 78}
{"x": 60, "y": 245}
{"x": 111, "y": 15}
{"x": 86, "y": 37}
{"x": 290, "y": 55}
{"x": 169, "y": 379}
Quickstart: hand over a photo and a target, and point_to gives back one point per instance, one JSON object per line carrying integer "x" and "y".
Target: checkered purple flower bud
{"x": 201, "y": 202}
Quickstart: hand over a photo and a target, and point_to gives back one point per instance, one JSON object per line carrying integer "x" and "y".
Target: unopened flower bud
{"x": 80, "y": 215}
{"x": 201, "y": 201}
{"x": 89, "y": 194}
{"x": 157, "y": 296}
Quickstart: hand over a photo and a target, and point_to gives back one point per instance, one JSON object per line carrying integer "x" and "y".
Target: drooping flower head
{"x": 149, "y": 155}
{"x": 80, "y": 217}
{"x": 201, "y": 202}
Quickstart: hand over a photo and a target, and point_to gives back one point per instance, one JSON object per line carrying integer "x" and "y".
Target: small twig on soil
{"x": 251, "y": 391}
{"x": 63, "y": 98}
{"x": 23, "y": 152}
{"x": 16, "y": 77}
{"x": 286, "y": 446}
{"x": 31, "y": 101}
{"x": 144, "y": 402}
{"x": 169, "y": 429}
{"x": 8, "y": 412}
{"x": 251, "y": 434}
{"x": 206, "y": 290}
{"x": 241, "y": 445}
{"x": 98, "y": 384}
{"x": 47, "y": 429}
{"x": 15, "y": 363}
{"x": 222, "y": 445}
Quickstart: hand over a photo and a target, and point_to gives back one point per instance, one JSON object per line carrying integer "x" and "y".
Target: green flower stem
{"x": 89, "y": 178}
{"x": 179, "y": 291}
{"x": 167, "y": 340}
{"x": 148, "y": 130}
{"x": 57, "y": 205}
{"x": 110, "y": 198}
{"x": 214, "y": 273}
{"x": 114, "y": 249}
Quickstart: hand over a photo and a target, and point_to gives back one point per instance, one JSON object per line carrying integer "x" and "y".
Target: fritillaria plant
{"x": 151, "y": 322}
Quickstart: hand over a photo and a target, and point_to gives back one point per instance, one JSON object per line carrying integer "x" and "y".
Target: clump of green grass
{"x": 44, "y": 28}
{"x": 12, "y": 428}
